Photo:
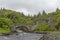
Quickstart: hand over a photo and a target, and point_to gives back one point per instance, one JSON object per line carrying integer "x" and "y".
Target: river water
{"x": 22, "y": 36}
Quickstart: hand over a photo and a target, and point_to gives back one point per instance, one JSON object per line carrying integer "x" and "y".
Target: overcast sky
{"x": 30, "y": 6}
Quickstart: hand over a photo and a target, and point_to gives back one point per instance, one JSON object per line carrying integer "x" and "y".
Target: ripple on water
{"x": 22, "y": 36}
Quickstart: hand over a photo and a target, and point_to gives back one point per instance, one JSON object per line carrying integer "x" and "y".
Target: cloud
{"x": 30, "y": 6}
{"x": 23, "y": 10}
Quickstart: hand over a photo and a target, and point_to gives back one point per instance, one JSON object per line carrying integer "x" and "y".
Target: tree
{"x": 57, "y": 9}
{"x": 34, "y": 16}
{"x": 43, "y": 27}
{"x": 43, "y": 13}
{"x": 22, "y": 14}
{"x": 5, "y": 25}
{"x": 5, "y": 22}
{"x": 39, "y": 14}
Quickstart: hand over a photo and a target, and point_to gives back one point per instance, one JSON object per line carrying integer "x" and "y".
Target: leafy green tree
{"x": 5, "y": 22}
{"x": 5, "y": 25}
{"x": 42, "y": 27}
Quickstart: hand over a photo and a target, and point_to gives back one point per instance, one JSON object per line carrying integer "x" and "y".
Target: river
{"x": 22, "y": 36}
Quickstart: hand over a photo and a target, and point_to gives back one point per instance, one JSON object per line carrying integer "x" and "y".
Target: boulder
{"x": 50, "y": 36}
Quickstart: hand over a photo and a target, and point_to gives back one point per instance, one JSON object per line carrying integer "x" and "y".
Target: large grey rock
{"x": 50, "y": 36}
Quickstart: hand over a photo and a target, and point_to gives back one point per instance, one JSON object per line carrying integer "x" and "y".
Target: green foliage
{"x": 41, "y": 27}
{"x": 42, "y": 22}
{"x": 28, "y": 21}
{"x": 5, "y": 24}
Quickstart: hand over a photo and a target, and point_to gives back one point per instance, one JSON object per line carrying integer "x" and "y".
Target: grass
{"x": 2, "y": 30}
{"x": 54, "y": 32}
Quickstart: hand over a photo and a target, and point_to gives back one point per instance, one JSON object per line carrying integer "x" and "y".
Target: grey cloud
{"x": 33, "y": 6}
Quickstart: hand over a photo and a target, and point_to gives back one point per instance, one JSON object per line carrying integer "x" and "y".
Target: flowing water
{"x": 22, "y": 36}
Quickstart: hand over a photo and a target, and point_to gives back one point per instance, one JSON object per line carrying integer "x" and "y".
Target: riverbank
{"x": 41, "y": 32}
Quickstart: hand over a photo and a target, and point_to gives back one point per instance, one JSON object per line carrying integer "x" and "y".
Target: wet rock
{"x": 50, "y": 36}
{"x": 6, "y": 34}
